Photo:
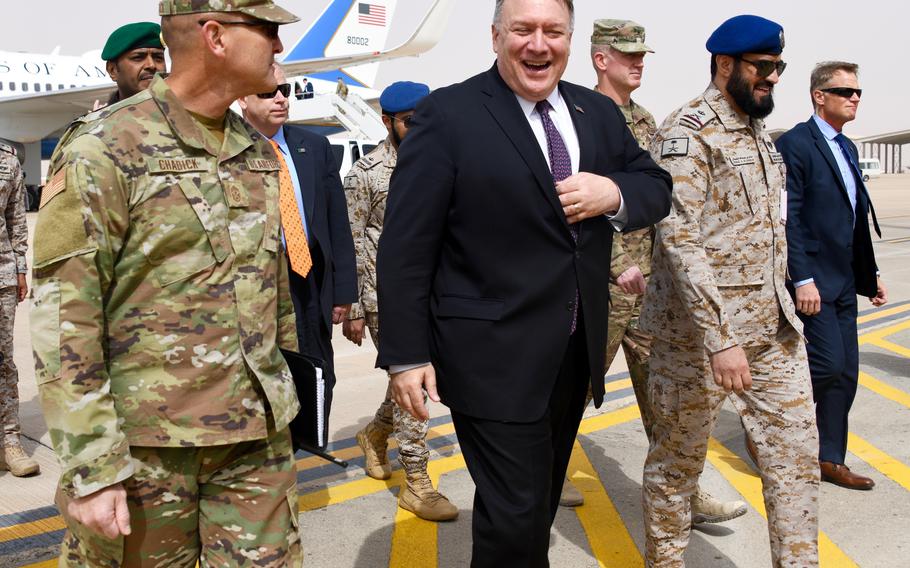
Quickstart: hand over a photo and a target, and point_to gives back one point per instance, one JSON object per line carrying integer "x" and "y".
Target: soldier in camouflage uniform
{"x": 618, "y": 52}
{"x": 367, "y": 186}
{"x": 160, "y": 300}
{"x": 13, "y": 289}
{"x": 723, "y": 324}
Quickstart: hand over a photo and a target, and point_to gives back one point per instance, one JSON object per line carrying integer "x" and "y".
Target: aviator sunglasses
{"x": 270, "y": 29}
{"x": 846, "y": 92}
{"x": 764, "y": 67}
{"x": 284, "y": 89}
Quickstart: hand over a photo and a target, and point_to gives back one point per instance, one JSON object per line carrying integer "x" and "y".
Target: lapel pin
{"x": 301, "y": 150}
{"x": 579, "y": 109}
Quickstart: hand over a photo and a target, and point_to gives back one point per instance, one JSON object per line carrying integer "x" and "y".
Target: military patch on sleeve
{"x": 674, "y": 147}
{"x": 53, "y": 188}
{"x": 6, "y": 171}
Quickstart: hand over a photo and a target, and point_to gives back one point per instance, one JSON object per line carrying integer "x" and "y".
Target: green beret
{"x": 132, "y": 36}
{"x": 265, "y": 10}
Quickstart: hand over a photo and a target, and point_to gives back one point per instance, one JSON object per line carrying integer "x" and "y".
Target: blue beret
{"x": 131, "y": 36}
{"x": 747, "y": 34}
{"x": 402, "y": 95}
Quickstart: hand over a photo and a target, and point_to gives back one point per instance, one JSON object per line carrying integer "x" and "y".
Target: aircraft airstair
{"x": 350, "y": 112}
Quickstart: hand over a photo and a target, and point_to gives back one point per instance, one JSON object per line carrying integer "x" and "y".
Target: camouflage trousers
{"x": 623, "y": 330}
{"x": 9, "y": 376}
{"x": 410, "y": 433}
{"x": 233, "y": 505}
{"x": 779, "y": 417}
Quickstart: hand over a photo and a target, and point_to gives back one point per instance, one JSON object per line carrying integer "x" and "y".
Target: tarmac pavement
{"x": 350, "y": 520}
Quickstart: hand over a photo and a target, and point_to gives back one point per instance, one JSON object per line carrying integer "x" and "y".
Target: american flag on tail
{"x": 372, "y": 14}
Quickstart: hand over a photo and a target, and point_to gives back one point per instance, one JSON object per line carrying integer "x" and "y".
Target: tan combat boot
{"x": 375, "y": 445}
{"x": 17, "y": 461}
{"x": 419, "y": 497}
{"x": 707, "y": 509}
{"x": 570, "y": 496}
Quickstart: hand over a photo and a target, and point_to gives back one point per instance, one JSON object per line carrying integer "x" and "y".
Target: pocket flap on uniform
{"x": 470, "y": 308}
{"x": 739, "y": 275}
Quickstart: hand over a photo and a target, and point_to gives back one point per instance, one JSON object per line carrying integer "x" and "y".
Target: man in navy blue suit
{"x": 324, "y": 293}
{"x": 831, "y": 260}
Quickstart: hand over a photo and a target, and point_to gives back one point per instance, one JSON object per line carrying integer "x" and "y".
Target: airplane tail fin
{"x": 347, "y": 27}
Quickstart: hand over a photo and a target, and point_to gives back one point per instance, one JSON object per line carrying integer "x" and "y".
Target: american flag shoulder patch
{"x": 53, "y": 188}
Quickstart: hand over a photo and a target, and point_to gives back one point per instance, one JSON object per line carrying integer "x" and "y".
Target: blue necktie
{"x": 858, "y": 175}
{"x": 561, "y": 168}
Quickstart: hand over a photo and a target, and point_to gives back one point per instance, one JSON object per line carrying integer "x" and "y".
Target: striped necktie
{"x": 561, "y": 168}
{"x": 294, "y": 234}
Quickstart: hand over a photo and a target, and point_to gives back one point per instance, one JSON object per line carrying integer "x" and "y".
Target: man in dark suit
{"x": 493, "y": 264}
{"x": 831, "y": 260}
{"x": 324, "y": 288}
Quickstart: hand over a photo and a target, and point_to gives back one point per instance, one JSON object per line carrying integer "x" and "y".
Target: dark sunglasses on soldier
{"x": 764, "y": 67}
{"x": 284, "y": 89}
{"x": 270, "y": 29}
{"x": 846, "y": 92}
{"x": 406, "y": 120}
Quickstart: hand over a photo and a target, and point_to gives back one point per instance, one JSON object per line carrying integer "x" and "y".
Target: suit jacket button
{"x": 571, "y": 306}
{"x": 578, "y": 255}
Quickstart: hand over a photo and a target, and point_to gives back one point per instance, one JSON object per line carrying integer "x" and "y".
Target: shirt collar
{"x": 827, "y": 130}
{"x": 527, "y": 107}
{"x": 279, "y": 139}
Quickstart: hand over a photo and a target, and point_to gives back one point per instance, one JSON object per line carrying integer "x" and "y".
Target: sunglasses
{"x": 406, "y": 120}
{"x": 270, "y": 29}
{"x": 764, "y": 67}
{"x": 284, "y": 89}
{"x": 846, "y": 92}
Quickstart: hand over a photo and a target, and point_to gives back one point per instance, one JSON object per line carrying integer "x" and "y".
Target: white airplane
{"x": 41, "y": 94}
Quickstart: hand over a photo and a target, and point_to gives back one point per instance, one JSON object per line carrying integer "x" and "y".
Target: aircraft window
{"x": 12, "y": 86}
{"x": 1, "y": 85}
{"x": 25, "y": 86}
{"x": 48, "y": 87}
{"x": 72, "y": 86}
{"x": 37, "y": 87}
{"x": 355, "y": 152}
{"x": 61, "y": 87}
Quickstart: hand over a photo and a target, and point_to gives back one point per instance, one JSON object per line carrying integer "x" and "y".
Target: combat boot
{"x": 375, "y": 445}
{"x": 707, "y": 509}
{"x": 419, "y": 497}
{"x": 570, "y": 496}
{"x": 17, "y": 461}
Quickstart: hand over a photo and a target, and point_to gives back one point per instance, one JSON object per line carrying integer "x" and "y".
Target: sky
{"x": 875, "y": 34}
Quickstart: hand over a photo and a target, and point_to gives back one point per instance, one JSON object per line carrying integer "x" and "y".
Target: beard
{"x": 741, "y": 92}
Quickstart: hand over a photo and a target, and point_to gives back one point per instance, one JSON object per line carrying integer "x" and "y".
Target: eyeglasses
{"x": 764, "y": 67}
{"x": 270, "y": 29}
{"x": 406, "y": 120}
{"x": 284, "y": 89}
{"x": 846, "y": 92}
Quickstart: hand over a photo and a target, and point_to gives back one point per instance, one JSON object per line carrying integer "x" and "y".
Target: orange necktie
{"x": 294, "y": 235}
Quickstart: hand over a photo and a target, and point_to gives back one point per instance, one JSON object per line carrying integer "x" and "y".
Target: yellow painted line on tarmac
{"x": 354, "y": 451}
{"x": 884, "y": 332}
{"x": 610, "y": 541}
{"x": 414, "y": 540}
{"x": 889, "y": 346}
{"x": 885, "y": 464}
{"x": 609, "y": 419}
{"x": 53, "y": 563}
{"x": 618, "y": 385}
{"x": 884, "y": 389}
{"x": 749, "y": 485}
{"x": 32, "y": 528}
{"x": 883, "y": 314}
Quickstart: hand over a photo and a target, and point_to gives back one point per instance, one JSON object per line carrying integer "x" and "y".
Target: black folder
{"x": 309, "y": 429}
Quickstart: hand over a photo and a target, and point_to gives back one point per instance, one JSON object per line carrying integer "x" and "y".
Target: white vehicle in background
{"x": 870, "y": 168}
{"x": 349, "y": 150}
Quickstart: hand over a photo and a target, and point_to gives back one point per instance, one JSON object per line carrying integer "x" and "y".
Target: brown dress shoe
{"x": 839, "y": 474}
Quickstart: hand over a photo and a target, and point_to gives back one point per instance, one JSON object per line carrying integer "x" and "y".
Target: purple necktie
{"x": 561, "y": 168}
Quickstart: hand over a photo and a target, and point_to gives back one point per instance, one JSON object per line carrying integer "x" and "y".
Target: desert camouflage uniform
{"x": 717, "y": 281}
{"x": 631, "y": 249}
{"x": 13, "y": 246}
{"x": 160, "y": 300}
{"x": 367, "y": 187}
